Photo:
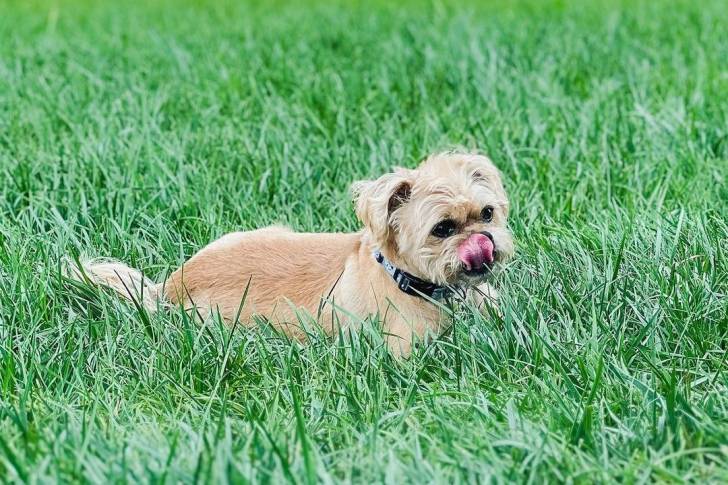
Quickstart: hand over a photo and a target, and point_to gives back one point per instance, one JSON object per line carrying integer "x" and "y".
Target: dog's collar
{"x": 411, "y": 284}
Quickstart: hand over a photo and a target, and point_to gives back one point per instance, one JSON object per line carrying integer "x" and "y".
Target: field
{"x": 143, "y": 130}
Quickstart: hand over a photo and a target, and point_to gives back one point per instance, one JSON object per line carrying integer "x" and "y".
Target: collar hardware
{"x": 411, "y": 284}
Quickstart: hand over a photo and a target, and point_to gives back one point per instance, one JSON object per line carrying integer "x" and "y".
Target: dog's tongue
{"x": 476, "y": 250}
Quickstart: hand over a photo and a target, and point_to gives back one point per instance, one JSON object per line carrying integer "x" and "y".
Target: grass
{"x": 143, "y": 131}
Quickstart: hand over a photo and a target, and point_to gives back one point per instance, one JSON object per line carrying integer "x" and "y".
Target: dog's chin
{"x": 469, "y": 278}
{"x": 476, "y": 277}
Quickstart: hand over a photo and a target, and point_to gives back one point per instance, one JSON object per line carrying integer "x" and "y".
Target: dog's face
{"x": 444, "y": 222}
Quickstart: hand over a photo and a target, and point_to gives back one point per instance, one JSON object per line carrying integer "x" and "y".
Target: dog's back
{"x": 274, "y": 268}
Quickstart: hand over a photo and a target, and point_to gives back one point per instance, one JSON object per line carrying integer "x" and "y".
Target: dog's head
{"x": 444, "y": 221}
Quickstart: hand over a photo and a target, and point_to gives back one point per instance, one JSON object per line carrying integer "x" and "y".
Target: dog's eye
{"x": 487, "y": 214}
{"x": 444, "y": 228}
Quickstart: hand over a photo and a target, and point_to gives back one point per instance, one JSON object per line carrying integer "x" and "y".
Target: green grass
{"x": 143, "y": 131}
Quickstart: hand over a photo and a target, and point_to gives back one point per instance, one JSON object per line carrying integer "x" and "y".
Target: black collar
{"x": 411, "y": 284}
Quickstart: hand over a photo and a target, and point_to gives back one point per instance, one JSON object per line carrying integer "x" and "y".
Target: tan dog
{"x": 426, "y": 232}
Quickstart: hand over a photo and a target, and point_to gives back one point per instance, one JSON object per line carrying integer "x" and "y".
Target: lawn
{"x": 143, "y": 130}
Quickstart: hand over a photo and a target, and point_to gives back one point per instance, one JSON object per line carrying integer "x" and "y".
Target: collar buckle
{"x": 403, "y": 282}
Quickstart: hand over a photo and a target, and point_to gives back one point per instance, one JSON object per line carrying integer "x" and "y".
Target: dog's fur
{"x": 334, "y": 277}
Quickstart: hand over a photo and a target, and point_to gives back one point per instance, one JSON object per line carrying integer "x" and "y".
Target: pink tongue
{"x": 476, "y": 250}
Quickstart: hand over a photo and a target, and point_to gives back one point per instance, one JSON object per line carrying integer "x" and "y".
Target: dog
{"x": 428, "y": 234}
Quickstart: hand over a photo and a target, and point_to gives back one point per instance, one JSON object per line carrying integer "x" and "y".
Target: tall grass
{"x": 142, "y": 132}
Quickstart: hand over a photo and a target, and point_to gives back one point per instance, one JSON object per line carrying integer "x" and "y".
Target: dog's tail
{"x": 128, "y": 282}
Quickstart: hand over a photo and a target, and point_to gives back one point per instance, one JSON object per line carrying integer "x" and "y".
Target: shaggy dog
{"x": 429, "y": 233}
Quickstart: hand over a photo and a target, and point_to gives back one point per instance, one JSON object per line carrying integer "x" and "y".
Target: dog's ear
{"x": 377, "y": 200}
{"x": 483, "y": 171}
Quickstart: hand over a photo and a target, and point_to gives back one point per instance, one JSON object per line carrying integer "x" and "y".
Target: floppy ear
{"x": 377, "y": 200}
{"x": 482, "y": 170}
